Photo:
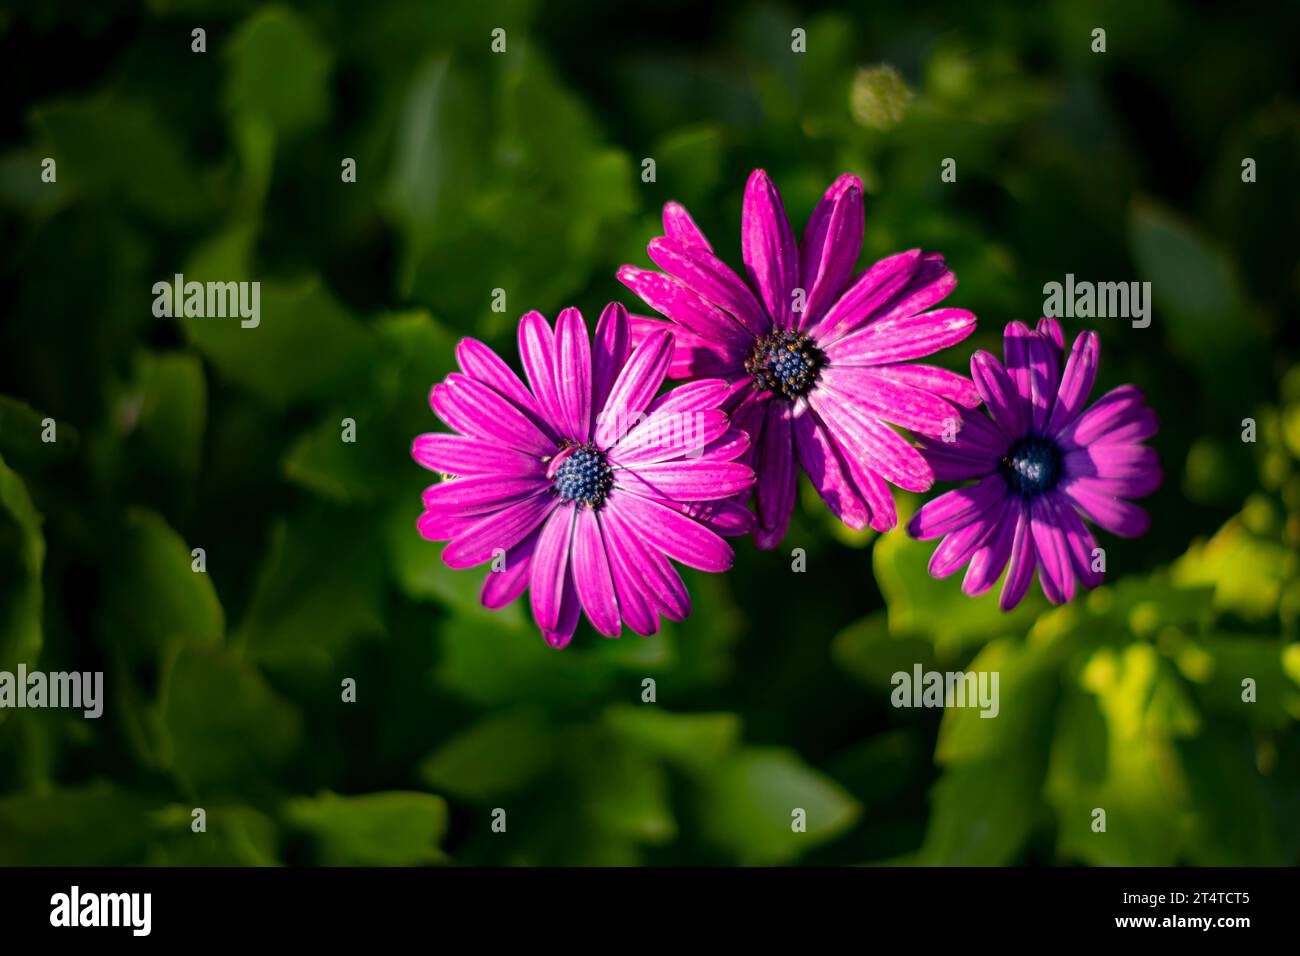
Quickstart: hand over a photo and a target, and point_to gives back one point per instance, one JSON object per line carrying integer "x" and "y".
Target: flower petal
{"x": 990, "y": 558}
{"x": 957, "y": 508}
{"x": 830, "y": 248}
{"x": 1120, "y": 416}
{"x": 592, "y": 576}
{"x": 1055, "y": 570}
{"x": 710, "y": 278}
{"x": 499, "y": 529}
{"x": 503, "y": 586}
{"x": 679, "y": 225}
{"x": 474, "y": 409}
{"x": 550, "y": 570}
{"x": 820, "y": 459}
{"x": 999, "y": 394}
{"x": 573, "y": 374}
{"x": 537, "y": 351}
{"x": 1024, "y": 558}
{"x": 912, "y": 408}
{"x": 1129, "y": 471}
{"x": 459, "y": 455}
{"x": 767, "y": 246}
{"x": 480, "y": 362}
{"x": 1105, "y": 509}
{"x": 656, "y": 572}
{"x": 634, "y": 388}
{"x": 902, "y": 338}
{"x": 676, "y": 535}
{"x": 875, "y": 444}
{"x": 610, "y": 351}
{"x": 1032, "y": 368}
{"x": 635, "y": 605}
{"x": 687, "y": 480}
{"x": 1076, "y": 382}
{"x": 867, "y": 294}
{"x": 777, "y": 473}
{"x": 671, "y": 298}
{"x": 950, "y": 386}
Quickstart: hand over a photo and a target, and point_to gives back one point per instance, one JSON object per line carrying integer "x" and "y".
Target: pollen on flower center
{"x": 581, "y": 474}
{"x": 785, "y": 362}
{"x": 1032, "y": 466}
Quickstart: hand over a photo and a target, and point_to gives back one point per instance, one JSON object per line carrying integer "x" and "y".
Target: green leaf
{"x": 235, "y": 836}
{"x": 21, "y": 442}
{"x": 692, "y": 741}
{"x": 117, "y": 150}
{"x": 22, "y": 557}
{"x": 746, "y": 806}
{"x": 497, "y": 755}
{"x": 155, "y": 598}
{"x": 227, "y": 730}
{"x": 279, "y": 71}
{"x": 163, "y": 415}
{"x": 394, "y": 828}
{"x": 625, "y": 792}
{"x": 868, "y": 651}
{"x": 982, "y": 813}
{"x": 93, "y": 825}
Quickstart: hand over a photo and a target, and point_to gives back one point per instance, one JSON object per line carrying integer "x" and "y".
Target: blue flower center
{"x": 584, "y": 476}
{"x": 1032, "y": 466}
{"x": 785, "y": 362}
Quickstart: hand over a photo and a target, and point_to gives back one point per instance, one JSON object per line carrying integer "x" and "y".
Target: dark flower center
{"x": 1032, "y": 466}
{"x": 785, "y": 362}
{"x": 583, "y": 476}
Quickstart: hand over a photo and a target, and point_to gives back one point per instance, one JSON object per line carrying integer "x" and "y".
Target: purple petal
{"x": 1078, "y": 539}
{"x": 830, "y": 248}
{"x": 949, "y": 386}
{"x": 1055, "y": 572}
{"x": 634, "y": 388}
{"x": 670, "y": 435}
{"x": 679, "y": 225}
{"x": 957, "y": 547}
{"x": 868, "y": 293}
{"x": 1076, "y": 382}
{"x": 573, "y": 374}
{"x": 1118, "y": 417}
{"x": 767, "y": 246}
{"x": 470, "y": 407}
{"x": 1128, "y": 471}
{"x": 777, "y": 473}
{"x": 957, "y": 508}
{"x": 725, "y": 517}
{"x": 592, "y": 576}
{"x": 501, "y": 529}
{"x": 502, "y": 587}
{"x": 876, "y": 445}
{"x": 458, "y": 455}
{"x": 973, "y": 452}
{"x": 550, "y": 569}
{"x": 711, "y": 279}
{"x": 819, "y": 458}
{"x": 479, "y": 493}
{"x": 570, "y": 610}
{"x": 990, "y": 558}
{"x": 903, "y": 338}
{"x": 676, "y": 535}
{"x": 687, "y": 480}
{"x": 1105, "y": 509}
{"x": 656, "y": 573}
{"x": 912, "y": 408}
{"x": 1032, "y": 368}
{"x": 480, "y": 362}
{"x": 1020, "y": 571}
{"x": 669, "y": 297}
{"x": 693, "y": 356}
{"x": 999, "y": 393}
{"x": 610, "y": 351}
{"x": 537, "y": 351}
{"x": 635, "y": 606}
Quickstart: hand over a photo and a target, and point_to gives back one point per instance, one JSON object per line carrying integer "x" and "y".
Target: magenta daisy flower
{"x": 819, "y": 361}
{"x": 1041, "y": 464}
{"x": 580, "y": 486}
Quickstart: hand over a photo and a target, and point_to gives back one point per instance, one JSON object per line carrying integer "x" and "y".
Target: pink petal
{"x": 592, "y": 576}
{"x": 1055, "y": 572}
{"x": 669, "y": 297}
{"x": 500, "y": 529}
{"x": 957, "y": 508}
{"x": 474, "y": 409}
{"x": 820, "y": 460}
{"x": 679, "y": 225}
{"x": 990, "y": 558}
{"x": 1076, "y": 382}
{"x": 903, "y": 338}
{"x": 573, "y": 374}
{"x": 479, "y": 493}
{"x": 550, "y": 569}
{"x": 676, "y": 535}
{"x": 698, "y": 480}
{"x": 656, "y": 573}
{"x": 999, "y": 393}
{"x": 949, "y": 386}
{"x": 876, "y": 445}
{"x": 868, "y": 293}
{"x": 777, "y": 472}
{"x": 909, "y": 407}
{"x": 610, "y": 351}
{"x": 634, "y": 388}
{"x": 767, "y": 246}
{"x": 1020, "y": 573}
{"x": 830, "y": 248}
{"x": 710, "y": 278}
{"x": 537, "y": 351}
{"x": 635, "y": 606}
{"x": 502, "y": 587}
{"x": 1104, "y": 508}
{"x": 458, "y": 455}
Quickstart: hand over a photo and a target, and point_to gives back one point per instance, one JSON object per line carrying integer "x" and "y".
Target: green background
{"x": 522, "y": 171}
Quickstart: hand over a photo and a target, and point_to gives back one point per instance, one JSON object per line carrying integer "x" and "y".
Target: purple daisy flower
{"x": 1041, "y": 464}
{"x": 580, "y": 486}
{"x": 819, "y": 361}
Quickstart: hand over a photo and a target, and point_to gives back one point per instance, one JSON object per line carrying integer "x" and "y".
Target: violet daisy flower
{"x": 581, "y": 485}
{"x": 820, "y": 361}
{"x": 1041, "y": 465}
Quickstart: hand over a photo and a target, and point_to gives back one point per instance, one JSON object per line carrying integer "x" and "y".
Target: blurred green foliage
{"x": 520, "y": 171}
